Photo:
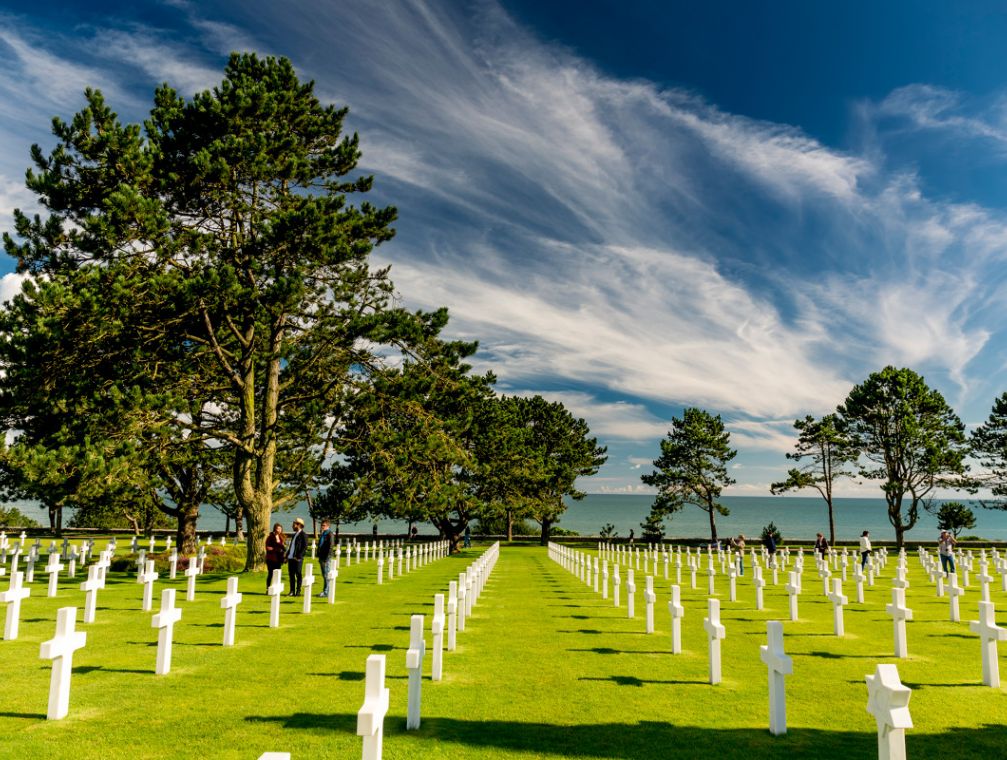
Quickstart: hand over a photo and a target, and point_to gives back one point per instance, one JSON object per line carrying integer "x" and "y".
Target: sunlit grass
{"x": 545, "y": 668}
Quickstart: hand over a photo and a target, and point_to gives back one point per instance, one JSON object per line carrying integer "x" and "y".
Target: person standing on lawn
{"x": 276, "y": 545}
{"x": 296, "y": 548}
{"x": 865, "y": 548}
{"x": 324, "y": 552}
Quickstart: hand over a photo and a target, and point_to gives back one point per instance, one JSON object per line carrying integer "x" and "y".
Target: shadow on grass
{"x": 28, "y": 716}
{"x": 640, "y": 682}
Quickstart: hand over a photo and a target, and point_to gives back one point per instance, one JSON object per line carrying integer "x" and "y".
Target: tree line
{"x": 892, "y": 429}
{"x": 201, "y": 324}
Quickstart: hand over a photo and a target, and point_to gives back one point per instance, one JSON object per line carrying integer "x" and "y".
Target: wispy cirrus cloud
{"x": 617, "y": 235}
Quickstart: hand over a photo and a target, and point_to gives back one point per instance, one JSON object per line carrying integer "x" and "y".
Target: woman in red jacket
{"x": 275, "y": 551}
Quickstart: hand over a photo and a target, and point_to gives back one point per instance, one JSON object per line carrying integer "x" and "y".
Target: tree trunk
{"x": 713, "y": 526}
{"x": 239, "y": 525}
{"x": 185, "y": 535}
{"x": 227, "y": 524}
{"x": 546, "y": 527}
{"x": 451, "y": 533}
{"x": 832, "y": 524}
{"x": 510, "y": 526}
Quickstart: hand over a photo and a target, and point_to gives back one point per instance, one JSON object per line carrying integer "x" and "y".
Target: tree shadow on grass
{"x": 640, "y": 682}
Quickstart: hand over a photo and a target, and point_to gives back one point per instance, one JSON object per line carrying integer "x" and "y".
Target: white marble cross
{"x": 631, "y": 594}
{"x": 53, "y": 569}
{"x": 732, "y": 580}
{"x": 165, "y": 621}
{"x": 437, "y": 631}
{"x": 452, "y": 613}
{"x": 858, "y": 576}
{"x": 147, "y": 578}
{"x": 371, "y": 717}
{"x": 91, "y": 586}
{"x": 899, "y": 614}
{"x": 900, "y": 580}
{"x": 173, "y": 563}
{"x": 414, "y": 664}
{"x": 990, "y": 633}
{"x": 955, "y": 591}
{"x": 604, "y": 579}
{"x": 650, "y": 598}
{"x": 306, "y": 583}
{"x": 715, "y": 632}
{"x": 983, "y": 577}
{"x": 190, "y": 573}
{"x": 12, "y": 597}
{"x": 462, "y": 596}
{"x": 760, "y": 583}
{"x": 779, "y": 665}
{"x": 888, "y": 702}
{"x": 381, "y": 569}
{"x": 60, "y": 650}
{"x": 275, "y": 590}
{"x": 677, "y": 613}
{"x": 710, "y": 572}
{"x": 838, "y": 600}
{"x": 793, "y": 591}
{"x": 616, "y": 586}
{"x": 229, "y": 603}
{"x": 826, "y": 575}
{"x": 332, "y": 576}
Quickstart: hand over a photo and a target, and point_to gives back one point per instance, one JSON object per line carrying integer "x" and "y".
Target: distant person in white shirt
{"x": 946, "y": 548}
{"x": 865, "y": 548}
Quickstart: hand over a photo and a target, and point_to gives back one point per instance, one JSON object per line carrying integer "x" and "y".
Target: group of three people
{"x": 282, "y": 550}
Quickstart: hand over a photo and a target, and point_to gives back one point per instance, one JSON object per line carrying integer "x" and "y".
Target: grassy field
{"x": 546, "y": 668}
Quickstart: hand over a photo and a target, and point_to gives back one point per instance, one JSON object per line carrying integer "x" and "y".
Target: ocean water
{"x": 797, "y": 517}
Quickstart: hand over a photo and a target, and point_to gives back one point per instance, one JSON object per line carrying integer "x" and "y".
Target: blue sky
{"x": 634, "y": 207}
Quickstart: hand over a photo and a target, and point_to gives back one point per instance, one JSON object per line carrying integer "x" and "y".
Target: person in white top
{"x": 946, "y": 549}
{"x": 865, "y": 548}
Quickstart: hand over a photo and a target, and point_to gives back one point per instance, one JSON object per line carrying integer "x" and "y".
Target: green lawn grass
{"x": 546, "y": 668}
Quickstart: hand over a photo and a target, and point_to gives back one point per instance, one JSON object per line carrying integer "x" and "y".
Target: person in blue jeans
{"x": 946, "y": 548}
{"x": 468, "y": 537}
{"x": 739, "y": 544}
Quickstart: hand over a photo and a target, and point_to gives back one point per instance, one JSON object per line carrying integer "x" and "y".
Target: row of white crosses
{"x": 371, "y": 716}
{"x": 409, "y": 558}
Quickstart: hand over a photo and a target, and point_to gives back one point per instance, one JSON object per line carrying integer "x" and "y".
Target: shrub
{"x": 772, "y": 530}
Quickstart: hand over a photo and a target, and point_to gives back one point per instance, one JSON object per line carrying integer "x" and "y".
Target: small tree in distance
{"x": 827, "y": 448}
{"x": 692, "y": 468}
{"x": 956, "y": 517}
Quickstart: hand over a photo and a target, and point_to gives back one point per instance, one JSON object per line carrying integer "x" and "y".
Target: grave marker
{"x": 147, "y": 578}
{"x": 190, "y": 573}
{"x": 91, "y": 586}
{"x": 989, "y": 634}
{"x": 715, "y": 632}
{"x": 888, "y": 702}
{"x": 414, "y": 664}
{"x": 53, "y": 569}
{"x": 275, "y": 590}
{"x": 60, "y": 650}
{"x": 229, "y": 603}
{"x": 954, "y": 592}
{"x": 677, "y": 613}
{"x": 371, "y": 717}
{"x": 838, "y": 600}
{"x": 779, "y": 665}
{"x": 899, "y": 614}
{"x": 650, "y": 598}
{"x": 12, "y": 597}
{"x": 437, "y": 629}
{"x": 165, "y": 621}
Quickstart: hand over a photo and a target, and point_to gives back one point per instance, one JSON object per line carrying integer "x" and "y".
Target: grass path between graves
{"x": 546, "y": 668}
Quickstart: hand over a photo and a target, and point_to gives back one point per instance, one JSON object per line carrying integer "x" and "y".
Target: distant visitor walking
{"x": 468, "y": 537}
{"x": 739, "y": 544}
{"x": 946, "y": 548}
{"x": 821, "y": 545}
{"x": 865, "y": 548}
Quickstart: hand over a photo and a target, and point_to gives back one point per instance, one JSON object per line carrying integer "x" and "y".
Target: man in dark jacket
{"x": 324, "y": 552}
{"x": 296, "y": 548}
